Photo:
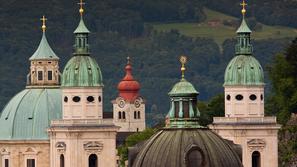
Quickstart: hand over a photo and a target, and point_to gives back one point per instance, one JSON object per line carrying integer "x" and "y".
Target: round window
{"x": 99, "y": 99}
{"x": 228, "y": 97}
{"x": 65, "y": 99}
{"x": 76, "y": 99}
{"x": 90, "y": 99}
{"x": 253, "y": 97}
{"x": 238, "y": 97}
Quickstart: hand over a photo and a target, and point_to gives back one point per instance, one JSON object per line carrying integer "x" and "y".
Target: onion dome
{"x": 128, "y": 87}
{"x": 244, "y": 69}
{"x": 183, "y": 142}
{"x": 44, "y": 51}
{"x": 82, "y": 70}
{"x": 29, "y": 113}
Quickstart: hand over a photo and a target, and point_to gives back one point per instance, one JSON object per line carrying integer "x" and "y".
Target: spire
{"x": 44, "y": 51}
{"x": 183, "y": 112}
{"x": 129, "y": 87}
{"x": 243, "y": 46}
{"x": 81, "y": 46}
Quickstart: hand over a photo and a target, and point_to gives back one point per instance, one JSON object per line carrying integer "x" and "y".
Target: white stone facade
{"x": 44, "y": 72}
{"x": 130, "y": 116}
{"x": 82, "y": 103}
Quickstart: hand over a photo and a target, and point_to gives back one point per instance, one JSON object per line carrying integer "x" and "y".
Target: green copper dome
{"x": 28, "y": 114}
{"x": 244, "y": 70}
{"x": 82, "y": 71}
{"x": 183, "y": 88}
{"x": 44, "y": 51}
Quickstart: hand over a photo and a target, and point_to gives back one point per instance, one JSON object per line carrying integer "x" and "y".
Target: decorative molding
{"x": 61, "y": 147}
{"x": 93, "y": 147}
{"x": 4, "y": 152}
{"x": 256, "y": 144}
{"x": 30, "y": 151}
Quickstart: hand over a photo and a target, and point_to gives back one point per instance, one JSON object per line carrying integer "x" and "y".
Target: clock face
{"x": 121, "y": 103}
{"x": 137, "y": 103}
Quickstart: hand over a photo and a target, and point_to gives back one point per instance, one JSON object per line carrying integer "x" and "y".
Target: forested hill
{"x": 122, "y": 28}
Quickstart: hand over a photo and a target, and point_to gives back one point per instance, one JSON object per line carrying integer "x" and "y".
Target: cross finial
{"x": 128, "y": 60}
{"x": 243, "y": 4}
{"x": 183, "y": 60}
{"x": 81, "y": 10}
{"x": 43, "y": 19}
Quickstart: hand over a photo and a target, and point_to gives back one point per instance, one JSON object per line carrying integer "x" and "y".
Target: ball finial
{"x": 183, "y": 60}
{"x": 43, "y": 19}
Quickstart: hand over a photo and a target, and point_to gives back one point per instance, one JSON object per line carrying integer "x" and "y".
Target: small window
{"x": 99, "y": 99}
{"x": 239, "y": 97}
{"x": 137, "y": 129}
{"x": 135, "y": 115}
{"x": 176, "y": 109}
{"x": 90, "y": 99}
{"x": 40, "y": 75}
{"x": 6, "y": 163}
{"x": 262, "y": 97}
{"x": 76, "y": 99}
{"x": 124, "y": 115}
{"x": 120, "y": 115}
{"x": 253, "y": 97}
{"x": 195, "y": 157}
{"x": 50, "y": 75}
{"x": 62, "y": 161}
{"x": 30, "y": 162}
{"x": 65, "y": 99}
{"x": 228, "y": 97}
{"x": 138, "y": 114}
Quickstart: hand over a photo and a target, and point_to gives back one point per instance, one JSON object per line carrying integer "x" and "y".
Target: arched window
{"x": 186, "y": 109}
{"x": 124, "y": 115}
{"x": 176, "y": 109}
{"x": 195, "y": 157}
{"x": 120, "y": 115}
{"x": 138, "y": 114}
{"x": 62, "y": 160}
{"x": 93, "y": 160}
{"x": 256, "y": 159}
{"x": 135, "y": 115}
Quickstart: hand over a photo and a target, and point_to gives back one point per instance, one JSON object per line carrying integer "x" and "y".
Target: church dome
{"x": 183, "y": 88}
{"x": 129, "y": 87}
{"x": 244, "y": 70}
{"x": 187, "y": 147}
{"x": 82, "y": 71}
{"x": 28, "y": 114}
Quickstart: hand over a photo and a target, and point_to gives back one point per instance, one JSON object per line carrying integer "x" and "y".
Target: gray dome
{"x": 180, "y": 147}
{"x": 28, "y": 114}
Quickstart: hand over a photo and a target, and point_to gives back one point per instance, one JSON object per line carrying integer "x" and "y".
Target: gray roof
{"x": 171, "y": 148}
{"x": 44, "y": 51}
{"x": 244, "y": 28}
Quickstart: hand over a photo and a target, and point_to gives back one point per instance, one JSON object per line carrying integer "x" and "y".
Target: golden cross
{"x": 81, "y": 10}
{"x": 243, "y": 4}
{"x": 43, "y": 19}
{"x": 183, "y": 60}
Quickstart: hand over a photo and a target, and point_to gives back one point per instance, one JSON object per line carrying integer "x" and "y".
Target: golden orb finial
{"x": 81, "y": 9}
{"x": 183, "y": 60}
{"x": 43, "y": 19}
{"x": 243, "y": 4}
{"x": 128, "y": 60}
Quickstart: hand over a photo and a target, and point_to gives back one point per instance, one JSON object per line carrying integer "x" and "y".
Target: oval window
{"x": 90, "y": 99}
{"x": 262, "y": 97}
{"x": 239, "y": 97}
{"x": 228, "y": 97}
{"x": 76, "y": 99}
{"x": 253, "y": 97}
{"x": 99, "y": 99}
{"x": 65, "y": 99}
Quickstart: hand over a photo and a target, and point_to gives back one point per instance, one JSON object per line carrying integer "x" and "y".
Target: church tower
{"x": 82, "y": 137}
{"x": 129, "y": 106}
{"x": 244, "y": 121}
{"x": 44, "y": 69}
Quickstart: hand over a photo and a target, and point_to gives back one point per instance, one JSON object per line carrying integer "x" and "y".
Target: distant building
{"x": 53, "y": 125}
{"x": 245, "y": 122}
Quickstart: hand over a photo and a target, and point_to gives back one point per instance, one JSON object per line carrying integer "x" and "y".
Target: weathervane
{"x": 183, "y": 60}
{"x": 81, "y": 10}
{"x": 243, "y": 4}
{"x": 43, "y": 19}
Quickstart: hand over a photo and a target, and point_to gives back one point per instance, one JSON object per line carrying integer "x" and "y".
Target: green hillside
{"x": 222, "y": 32}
